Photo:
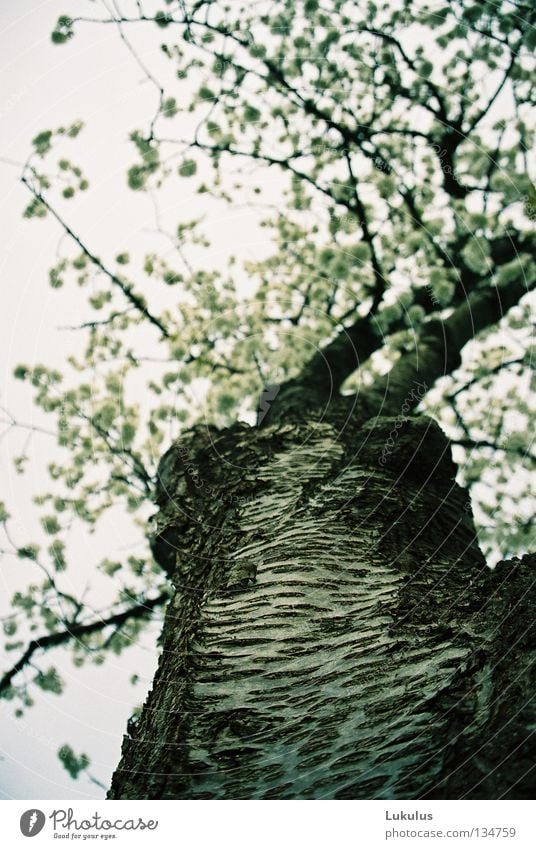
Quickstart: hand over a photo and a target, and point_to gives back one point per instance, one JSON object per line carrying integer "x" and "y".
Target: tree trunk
{"x": 335, "y": 632}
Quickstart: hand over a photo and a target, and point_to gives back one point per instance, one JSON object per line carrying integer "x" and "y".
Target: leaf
{"x": 50, "y": 524}
{"x": 74, "y": 764}
{"x": 169, "y": 107}
{"x": 28, "y": 552}
{"x": 63, "y": 30}
{"x": 42, "y": 142}
{"x": 188, "y": 168}
{"x": 162, "y": 19}
{"x": 49, "y": 681}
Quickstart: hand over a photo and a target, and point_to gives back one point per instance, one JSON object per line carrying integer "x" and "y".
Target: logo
{"x": 31, "y": 822}
{"x": 269, "y": 393}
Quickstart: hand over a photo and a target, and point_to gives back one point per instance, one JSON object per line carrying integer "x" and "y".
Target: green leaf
{"x": 74, "y": 764}
{"x": 188, "y": 168}
{"x": 21, "y": 372}
{"x": 42, "y": 142}
{"x": 49, "y": 681}
{"x": 136, "y": 177}
{"x": 169, "y": 107}
{"x": 63, "y": 30}
{"x": 28, "y": 552}
{"x": 162, "y": 19}
{"x": 57, "y": 555}
{"x": 50, "y": 524}
{"x": 74, "y": 129}
{"x": 10, "y": 627}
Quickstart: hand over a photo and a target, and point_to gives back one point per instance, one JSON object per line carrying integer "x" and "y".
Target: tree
{"x": 397, "y": 289}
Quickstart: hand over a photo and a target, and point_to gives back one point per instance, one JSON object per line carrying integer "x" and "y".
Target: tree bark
{"x": 335, "y": 631}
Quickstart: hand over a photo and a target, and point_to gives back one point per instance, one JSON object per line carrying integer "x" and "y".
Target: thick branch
{"x": 332, "y": 364}
{"x": 476, "y": 444}
{"x": 438, "y": 348}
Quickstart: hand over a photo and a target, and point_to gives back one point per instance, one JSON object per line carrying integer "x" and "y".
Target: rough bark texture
{"x": 335, "y": 632}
